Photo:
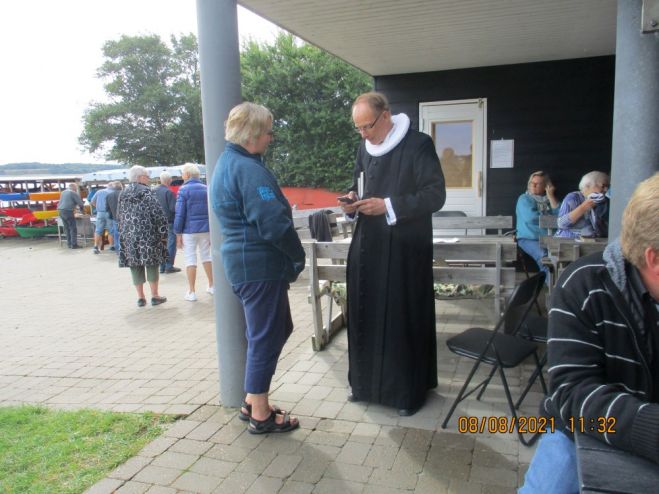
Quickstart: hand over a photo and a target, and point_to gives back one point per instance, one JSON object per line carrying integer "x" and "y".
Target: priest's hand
{"x": 373, "y": 206}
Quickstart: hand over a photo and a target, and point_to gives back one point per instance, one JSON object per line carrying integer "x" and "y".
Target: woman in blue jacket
{"x": 261, "y": 253}
{"x": 539, "y": 199}
{"x": 192, "y": 228}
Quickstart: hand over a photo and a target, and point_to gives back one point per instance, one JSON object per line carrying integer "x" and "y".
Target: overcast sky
{"x": 50, "y": 51}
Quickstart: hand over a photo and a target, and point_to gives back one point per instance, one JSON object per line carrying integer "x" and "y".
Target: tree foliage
{"x": 310, "y": 94}
{"x": 153, "y": 116}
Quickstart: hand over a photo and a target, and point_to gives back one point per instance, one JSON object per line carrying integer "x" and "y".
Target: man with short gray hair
{"x": 167, "y": 201}
{"x": 68, "y": 201}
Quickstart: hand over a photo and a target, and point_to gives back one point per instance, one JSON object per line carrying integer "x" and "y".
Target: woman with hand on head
{"x": 261, "y": 253}
{"x": 538, "y": 200}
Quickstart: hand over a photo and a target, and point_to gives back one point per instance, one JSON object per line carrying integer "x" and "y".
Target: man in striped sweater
{"x": 603, "y": 350}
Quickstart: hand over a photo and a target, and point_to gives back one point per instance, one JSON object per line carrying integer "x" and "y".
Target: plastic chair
{"x": 500, "y": 349}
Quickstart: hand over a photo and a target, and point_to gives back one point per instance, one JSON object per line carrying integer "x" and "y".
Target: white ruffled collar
{"x": 401, "y": 126}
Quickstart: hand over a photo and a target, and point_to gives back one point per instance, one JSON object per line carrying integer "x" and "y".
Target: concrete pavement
{"x": 72, "y": 336}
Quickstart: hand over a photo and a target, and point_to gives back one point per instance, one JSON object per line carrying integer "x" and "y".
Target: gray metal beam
{"x": 635, "y": 147}
{"x": 219, "y": 62}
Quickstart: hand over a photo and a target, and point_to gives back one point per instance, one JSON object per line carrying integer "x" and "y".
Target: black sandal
{"x": 246, "y": 416}
{"x": 270, "y": 425}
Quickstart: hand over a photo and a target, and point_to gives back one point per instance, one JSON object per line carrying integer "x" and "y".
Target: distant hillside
{"x": 51, "y": 168}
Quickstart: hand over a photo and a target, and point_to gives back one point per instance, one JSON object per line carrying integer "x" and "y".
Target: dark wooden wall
{"x": 560, "y": 115}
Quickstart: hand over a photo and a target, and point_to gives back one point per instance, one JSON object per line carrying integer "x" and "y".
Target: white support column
{"x": 635, "y": 149}
{"x": 219, "y": 61}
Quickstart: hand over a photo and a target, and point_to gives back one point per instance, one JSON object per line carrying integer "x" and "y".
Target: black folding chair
{"x": 500, "y": 349}
{"x": 534, "y": 328}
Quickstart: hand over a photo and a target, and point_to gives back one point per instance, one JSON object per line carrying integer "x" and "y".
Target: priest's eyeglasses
{"x": 364, "y": 128}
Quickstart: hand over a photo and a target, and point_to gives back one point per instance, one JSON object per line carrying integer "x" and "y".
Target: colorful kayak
{"x": 45, "y": 196}
{"x": 14, "y": 196}
{"x": 36, "y": 231}
{"x": 15, "y": 212}
{"x": 44, "y": 215}
{"x": 8, "y": 231}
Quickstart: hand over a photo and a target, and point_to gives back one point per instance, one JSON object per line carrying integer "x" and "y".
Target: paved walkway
{"x": 72, "y": 337}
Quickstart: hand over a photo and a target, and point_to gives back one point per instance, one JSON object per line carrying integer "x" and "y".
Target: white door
{"x": 458, "y": 130}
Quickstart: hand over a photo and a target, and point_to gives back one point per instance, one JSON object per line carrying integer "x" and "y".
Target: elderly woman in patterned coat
{"x": 142, "y": 231}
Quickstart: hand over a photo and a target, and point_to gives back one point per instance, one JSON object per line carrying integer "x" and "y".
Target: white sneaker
{"x": 190, "y": 297}
{"x": 211, "y": 290}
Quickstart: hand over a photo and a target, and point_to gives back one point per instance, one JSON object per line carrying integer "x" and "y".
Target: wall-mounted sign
{"x": 502, "y": 153}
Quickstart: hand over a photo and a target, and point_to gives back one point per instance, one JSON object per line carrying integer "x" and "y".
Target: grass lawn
{"x": 49, "y": 451}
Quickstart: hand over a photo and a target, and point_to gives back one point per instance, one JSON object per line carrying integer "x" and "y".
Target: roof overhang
{"x": 384, "y": 37}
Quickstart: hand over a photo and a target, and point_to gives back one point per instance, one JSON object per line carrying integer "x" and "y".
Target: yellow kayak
{"x": 44, "y": 215}
{"x": 44, "y": 196}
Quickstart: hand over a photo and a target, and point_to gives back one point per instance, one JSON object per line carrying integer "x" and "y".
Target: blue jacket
{"x": 191, "y": 208}
{"x": 259, "y": 239}
{"x": 528, "y": 218}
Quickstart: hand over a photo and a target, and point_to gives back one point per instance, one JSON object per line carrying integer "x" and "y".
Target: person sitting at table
{"x": 539, "y": 199}
{"x": 603, "y": 350}
{"x": 585, "y": 213}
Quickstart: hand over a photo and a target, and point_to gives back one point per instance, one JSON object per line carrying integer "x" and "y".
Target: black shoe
{"x": 407, "y": 412}
{"x": 158, "y": 300}
{"x": 173, "y": 269}
{"x": 162, "y": 271}
{"x": 352, "y": 398}
{"x": 141, "y": 302}
{"x": 76, "y": 247}
{"x": 96, "y": 251}
{"x": 112, "y": 248}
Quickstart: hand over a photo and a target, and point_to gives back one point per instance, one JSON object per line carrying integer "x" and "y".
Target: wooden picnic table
{"x": 603, "y": 468}
{"x": 472, "y": 260}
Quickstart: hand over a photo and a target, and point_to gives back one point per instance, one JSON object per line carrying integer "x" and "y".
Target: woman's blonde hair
{"x": 640, "y": 223}
{"x": 539, "y": 173}
{"x": 191, "y": 170}
{"x": 246, "y": 123}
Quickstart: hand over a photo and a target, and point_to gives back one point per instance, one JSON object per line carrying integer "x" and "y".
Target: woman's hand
{"x": 179, "y": 241}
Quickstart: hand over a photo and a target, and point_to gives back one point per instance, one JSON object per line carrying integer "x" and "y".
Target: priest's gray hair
{"x": 377, "y": 101}
{"x": 136, "y": 172}
{"x": 593, "y": 178}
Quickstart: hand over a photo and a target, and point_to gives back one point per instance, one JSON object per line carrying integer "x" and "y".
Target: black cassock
{"x": 391, "y": 306}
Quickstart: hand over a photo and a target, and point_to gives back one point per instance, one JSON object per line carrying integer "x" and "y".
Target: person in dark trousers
{"x": 112, "y": 200}
{"x": 603, "y": 350}
{"x": 391, "y": 305}
{"x": 68, "y": 201}
{"x": 167, "y": 201}
{"x": 261, "y": 253}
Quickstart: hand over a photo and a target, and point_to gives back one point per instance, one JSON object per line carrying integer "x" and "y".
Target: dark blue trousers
{"x": 269, "y": 324}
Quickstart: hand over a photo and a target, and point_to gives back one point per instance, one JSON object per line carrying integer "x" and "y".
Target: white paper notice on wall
{"x": 502, "y": 153}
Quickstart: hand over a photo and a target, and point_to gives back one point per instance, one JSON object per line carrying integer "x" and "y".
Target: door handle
{"x": 480, "y": 184}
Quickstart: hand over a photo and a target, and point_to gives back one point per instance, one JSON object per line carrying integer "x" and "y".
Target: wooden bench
{"x": 549, "y": 222}
{"x": 467, "y": 223}
{"x": 490, "y": 271}
{"x": 301, "y": 221}
{"x": 562, "y": 251}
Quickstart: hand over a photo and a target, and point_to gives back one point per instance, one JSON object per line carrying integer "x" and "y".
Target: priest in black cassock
{"x": 398, "y": 184}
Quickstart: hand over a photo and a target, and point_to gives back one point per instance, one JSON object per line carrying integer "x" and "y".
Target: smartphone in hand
{"x": 346, "y": 199}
